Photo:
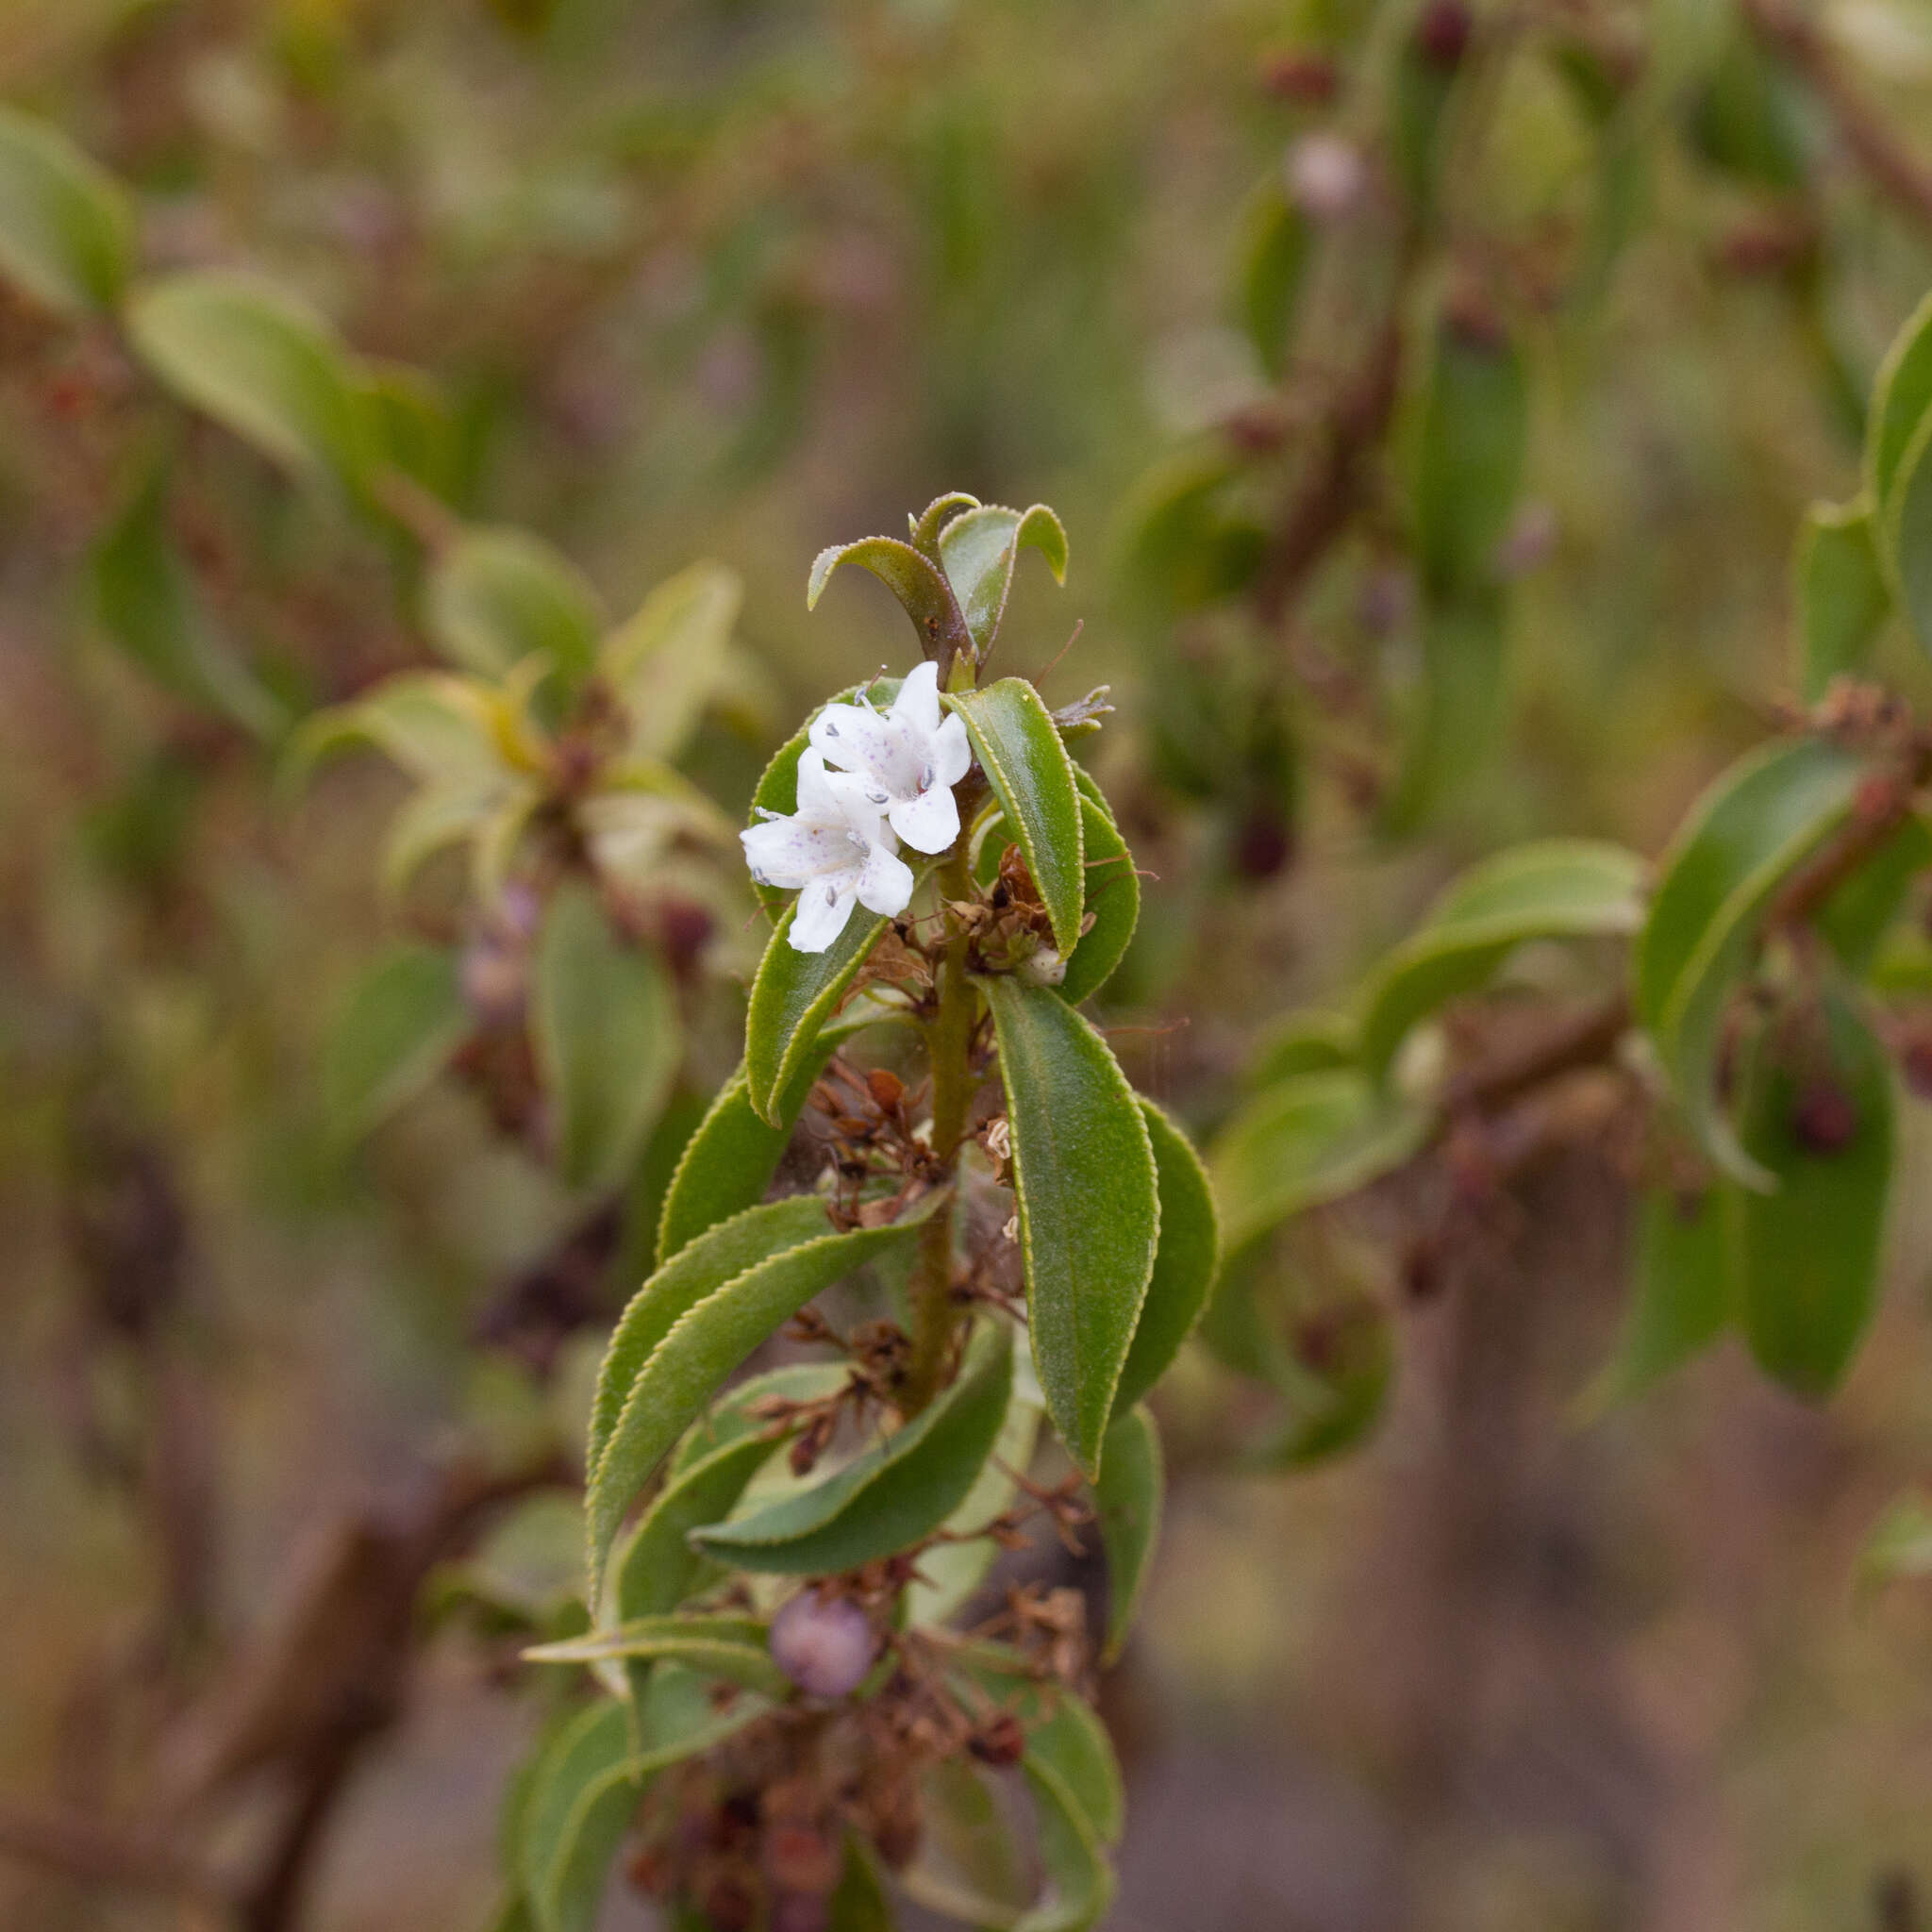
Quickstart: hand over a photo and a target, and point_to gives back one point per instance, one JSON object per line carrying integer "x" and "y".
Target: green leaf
{"x": 888, "y": 1498}
{"x": 605, "y": 1027}
{"x": 1861, "y": 909}
{"x": 579, "y": 1804}
{"x": 1906, "y": 532}
{"x": 915, "y": 579}
{"x": 950, "y": 1572}
{"x": 66, "y": 231}
{"x": 1553, "y": 889}
{"x": 735, "y": 1414}
{"x": 1900, "y": 399}
{"x": 691, "y": 1274}
{"x": 1839, "y": 593}
{"x": 1752, "y": 829}
{"x": 664, "y": 664}
{"x": 653, "y": 1570}
{"x": 791, "y": 999}
{"x": 1469, "y": 457}
{"x": 402, "y": 1021}
{"x": 1807, "y": 1255}
{"x": 146, "y": 603}
{"x": 1090, "y": 1208}
{"x": 1313, "y": 1138}
{"x": 1185, "y": 1262}
{"x": 261, "y": 362}
{"x": 1127, "y": 1501}
{"x": 978, "y": 551}
{"x": 1899, "y": 1547}
{"x": 1016, "y": 743}
{"x": 858, "y": 1901}
{"x": 1274, "y": 251}
{"x": 1679, "y": 1302}
{"x": 1113, "y": 903}
{"x": 436, "y": 818}
{"x": 924, "y": 528}
{"x": 1308, "y": 1041}
{"x": 1071, "y": 1741}
{"x": 439, "y": 728}
{"x": 1079, "y": 1884}
{"x": 1457, "y": 712}
{"x": 695, "y": 1321}
{"x": 407, "y": 423}
{"x": 733, "y": 1648}
{"x": 1332, "y": 1394}
{"x": 494, "y": 597}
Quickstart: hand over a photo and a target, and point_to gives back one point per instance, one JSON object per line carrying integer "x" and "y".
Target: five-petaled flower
{"x": 835, "y": 849}
{"x": 909, "y": 758}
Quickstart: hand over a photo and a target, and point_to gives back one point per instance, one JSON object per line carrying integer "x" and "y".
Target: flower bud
{"x": 1326, "y": 177}
{"x": 824, "y": 1646}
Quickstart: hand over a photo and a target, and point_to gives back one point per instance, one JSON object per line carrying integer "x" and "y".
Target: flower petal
{"x": 952, "y": 755}
{"x": 871, "y": 747}
{"x": 789, "y": 852}
{"x": 823, "y": 908}
{"x": 929, "y": 823}
{"x": 885, "y": 884}
{"x": 814, "y": 795}
{"x": 917, "y": 706}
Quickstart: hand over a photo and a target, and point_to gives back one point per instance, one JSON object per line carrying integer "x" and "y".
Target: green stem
{"x": 949, "y": 1046}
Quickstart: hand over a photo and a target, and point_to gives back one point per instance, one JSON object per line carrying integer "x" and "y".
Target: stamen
{"x": 831, "y": 730}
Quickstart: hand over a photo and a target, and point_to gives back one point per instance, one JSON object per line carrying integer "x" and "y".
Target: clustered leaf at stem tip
{"x": 839, "y": 848}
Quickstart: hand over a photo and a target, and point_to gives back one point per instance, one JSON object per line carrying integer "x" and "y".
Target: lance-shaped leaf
{"x": 859, "y": 1901}
{"x": 66, "y": 234}
{"x": 573, "y": 1816}
{"x": 1090, "y": 1205}
{"x": 739, "y": 1412}
{"x": 888, "y": 1498}
{"x": 1679, "y": 1300}
{"x": 1457, "y": 710}
{"x": 1469, "y": 455}
{"x": 402, "y": 1021}
{"x": 979, "y": 550}
{"x": 1126, "y": 1501}
{"x": 792, "y": 997}
{"x": 261, "y": 362}
{"x": 442, "y": 729}
{"x": 1309, "y": 1042}
{"x": 730, "y": 1160}
{"x": 1745, "y": 837}
{"x": 1276, "y": 246}
{"x": 924, "y": 528}
{"x": 1114, "y": 894}
{"x": 584, "y": 1789}
{"x": 733, "y": 1648}
{"x": 655, "y": 1567}
{"x": 724, "y": 1295}
{"x": 437, "y": 818}
{"x": 1906, "y": 532}
{"x": 145, "y": 600}
{"x": 1071, "y": 1739}
{"x": 603, "y": 1023}
{"x": 1313, "y": 1138}
{"x": 915, "y": 579}
{"x": 495, "y": 597}
{"x": 1901, "y": 398}
{"x": 1819, "y": 1119}
{"x": 1015, "y": 741}
{"x": 1839, "y": 593}
{"x": 1079, "y": 1881}
{"x": 665, "y": 661}
{"x": 1554, "y": 888}
{"x": 1185, "y": 1263}
{"x": 951, "y": 1571}
{"x": 1899, "y": 1545}
{"x": 1861, "y": 909}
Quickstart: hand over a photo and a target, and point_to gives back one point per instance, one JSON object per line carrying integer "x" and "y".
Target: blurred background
{"x": 721, "y": 279}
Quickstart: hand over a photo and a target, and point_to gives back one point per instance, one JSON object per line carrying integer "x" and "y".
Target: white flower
{"x": 834, "y": 850}
{"x": 908, "y": 758}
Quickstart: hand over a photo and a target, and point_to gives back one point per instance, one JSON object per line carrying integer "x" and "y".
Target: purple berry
{"x": 825, "y": 1647}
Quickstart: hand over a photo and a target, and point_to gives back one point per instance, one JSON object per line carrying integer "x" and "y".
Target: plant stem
{"x": 949, "y": 1046}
